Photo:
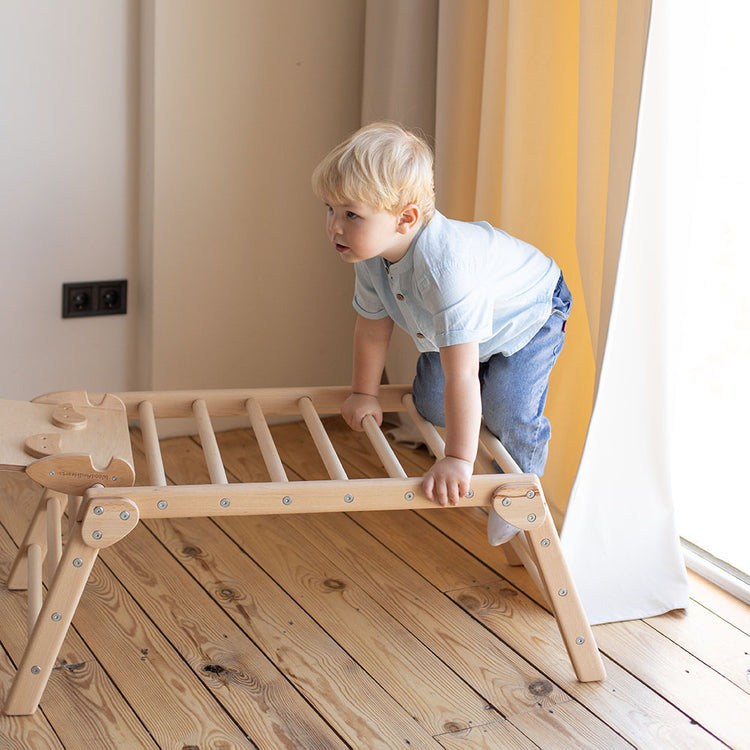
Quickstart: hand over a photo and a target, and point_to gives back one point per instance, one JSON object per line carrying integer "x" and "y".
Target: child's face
{"x": 359, "y": 232}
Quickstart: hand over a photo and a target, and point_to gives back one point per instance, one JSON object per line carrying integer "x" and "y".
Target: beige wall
{"x": 172, "y": 143}
{"x": 246, "y": 98}
{"x": 68, "y": 166}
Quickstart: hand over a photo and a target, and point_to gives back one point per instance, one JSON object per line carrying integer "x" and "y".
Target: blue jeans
{"x": 514, "y": 389}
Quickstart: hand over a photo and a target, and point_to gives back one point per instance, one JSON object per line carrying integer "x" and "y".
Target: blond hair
{"x": 382, "y": 165}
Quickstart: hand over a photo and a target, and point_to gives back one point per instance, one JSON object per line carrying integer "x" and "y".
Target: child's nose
{"x": 334, "y": 225}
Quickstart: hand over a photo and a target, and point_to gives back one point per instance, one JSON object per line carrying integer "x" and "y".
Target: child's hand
{"x": 357, "y": 406}
{"x": 448, "y": 480}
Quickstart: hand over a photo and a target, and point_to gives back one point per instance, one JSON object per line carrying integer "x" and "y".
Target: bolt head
{"x": 77, "y": 562}
{"x": 224, "y": 502}
{"x": 348, "y": 498}
{"x": 531, "y": 517}
{"x": 286, "y": 500}
{"x": 96, "y": 535}
{"x": 580, "y": 640}
{"x": 562, "y": 592}
{"x": 161, "y": 505}
{"x": 506, "y": 501}
{"x": 36, "y": 670}
{"x": 530, "y": 494}
{"x": 409, "y": 496}
{"x": 125, "y": 515}
{"x": 56, "y": 617}
{"x": 470, "y": 494}
{"x": 545, "y": 542}
{"x": 98, "y": 510}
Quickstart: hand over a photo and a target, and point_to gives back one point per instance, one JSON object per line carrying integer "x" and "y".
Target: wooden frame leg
{"x": 520, "y": 501}
{"x": 36, "y": 534}
{"x": 51, "y": 626}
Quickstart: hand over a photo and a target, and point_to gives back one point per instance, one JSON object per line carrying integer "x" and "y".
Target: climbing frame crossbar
{"x": 79, "y": 450}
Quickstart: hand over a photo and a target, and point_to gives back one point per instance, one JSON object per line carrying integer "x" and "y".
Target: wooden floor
{"x": 363, "y": 630}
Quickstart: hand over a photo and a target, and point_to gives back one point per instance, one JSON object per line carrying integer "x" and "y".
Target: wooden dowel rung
{"x": 74, "y": 505}
{"x": 34, "y": 562}
{"x": 320, "y": 438}
{"x": 265, "y": 441}
{"x": 208, "y": 441}
{"x": 54, "y": 535}
{"x": 435, "y": 443}
{"x": 383, "y": 448}
{"x": 498, "y": 451}
{"x": 151, "y": 447}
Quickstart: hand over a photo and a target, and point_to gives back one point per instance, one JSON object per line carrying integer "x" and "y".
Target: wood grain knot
{"x": 192, "y": 551}
{"x": 455, "y": 726}
{"x": 228, "y": 594}
{"x": 540, "y": 688}
{"x": 213, "y": 668}
{"x": 333, "y": 584}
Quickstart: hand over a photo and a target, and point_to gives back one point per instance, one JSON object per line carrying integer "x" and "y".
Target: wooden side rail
{"x": 104, "y": 511}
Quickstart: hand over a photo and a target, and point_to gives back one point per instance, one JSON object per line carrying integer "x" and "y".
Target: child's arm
{"x": 371, "y": 339}
{"x": 448, "y": 479}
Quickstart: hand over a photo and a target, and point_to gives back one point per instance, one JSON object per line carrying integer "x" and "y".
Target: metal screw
{"x": 348, "y": 498}
{"x": 530, "y": 494}
{"x": 161, "y": 505}
{"x": 224, "y": 502}
{"x": 56, "y": 617}
{"x": 470, "y": 494}
{"x": 77, "y": 562}
{"x": 580, "y": 640}
{"x": 36, "y": 670}
{"x": 96, "y": 535}
{"x": 531, "y": 517}
{"x": 545, "y": 542}
{"x": 98, "y": 510}
{"x": 114, "y": 479}
{"x": 286, "y": 500}
{"x": 125, "y": 515}
{"x": 506, "y": 501}
{"x": 52, "y": 473}
{"x": 409, "y": 496}
{"x": 563, "y": 592}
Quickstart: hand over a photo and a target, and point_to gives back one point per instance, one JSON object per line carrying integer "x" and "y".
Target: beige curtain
{"x": 536, "y": 106}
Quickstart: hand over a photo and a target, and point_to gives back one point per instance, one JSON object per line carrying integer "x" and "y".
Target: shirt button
{"x": 399, "y": 297}
{"x": 420, "y": 335}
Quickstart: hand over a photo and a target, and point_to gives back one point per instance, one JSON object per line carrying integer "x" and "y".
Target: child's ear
{"x": 409, "y": 218}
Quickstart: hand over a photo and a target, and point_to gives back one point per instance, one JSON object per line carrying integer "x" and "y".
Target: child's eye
{"x": 351, "y": 215}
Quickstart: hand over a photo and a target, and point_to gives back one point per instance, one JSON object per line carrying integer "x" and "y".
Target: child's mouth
{"x": 341, "y": 248}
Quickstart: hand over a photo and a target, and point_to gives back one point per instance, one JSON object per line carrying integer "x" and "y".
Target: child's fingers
{"x": 428, "y": 484}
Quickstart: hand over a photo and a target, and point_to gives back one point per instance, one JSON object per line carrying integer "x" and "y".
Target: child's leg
{"x": 514, "y": 393}
{"x": 514, "y": 390}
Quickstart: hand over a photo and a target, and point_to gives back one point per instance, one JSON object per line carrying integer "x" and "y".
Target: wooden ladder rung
{"x": 151, "y": 447}
{"x": 54, "y": 535}
{"x": 498, "y": 451}
{"x": 320, "y": 437}
{"x": 34, "y": 582}
{"x": 266, "y": 444}
{"x": 431, "y": 436}
{"x": 208, "y": 441}
{"x": 383, "y": 448}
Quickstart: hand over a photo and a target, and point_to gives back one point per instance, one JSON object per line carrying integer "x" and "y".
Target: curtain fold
{"x": 535, "y": 110}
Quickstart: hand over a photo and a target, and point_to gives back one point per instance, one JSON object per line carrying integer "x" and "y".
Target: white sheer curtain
{"x": 535, "y": 107}
{"x": 620, "y": 535}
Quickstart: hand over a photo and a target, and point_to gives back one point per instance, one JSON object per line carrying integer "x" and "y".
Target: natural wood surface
{"x": 371, "y": 629}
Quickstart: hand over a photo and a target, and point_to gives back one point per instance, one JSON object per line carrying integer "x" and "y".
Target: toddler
{"x": 486, "y": 311}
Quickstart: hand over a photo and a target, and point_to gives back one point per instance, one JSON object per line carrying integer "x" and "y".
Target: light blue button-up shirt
{"x": 461, "y": 282}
